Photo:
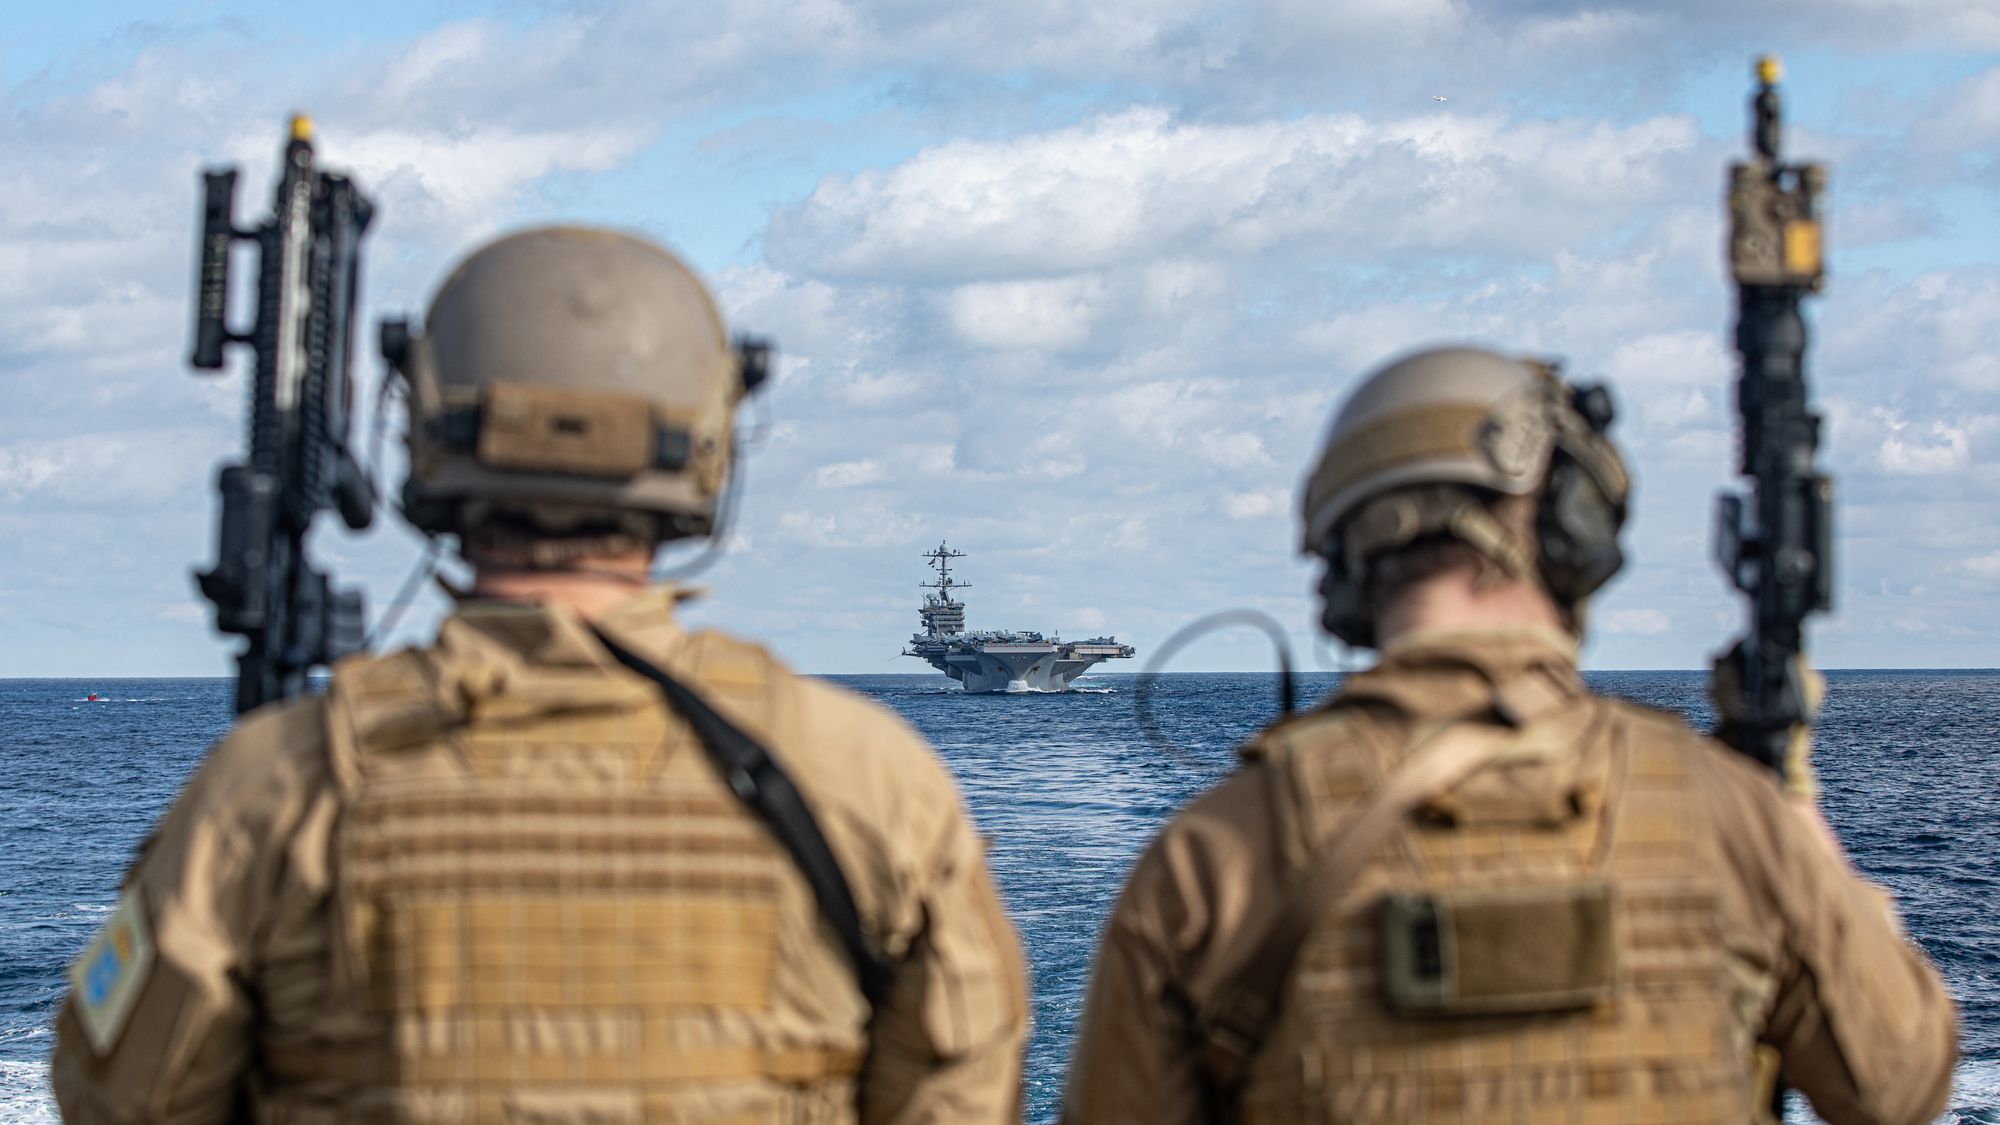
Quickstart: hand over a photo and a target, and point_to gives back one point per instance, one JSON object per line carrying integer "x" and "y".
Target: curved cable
{"x": 1326, "y": 658}
{"x": 426, "y": 566}
{"x": 761, "y": 424}
{"x": 1142, "y": 701}
{"x": 376, "y": 425}
{"x": 718, "y": 536}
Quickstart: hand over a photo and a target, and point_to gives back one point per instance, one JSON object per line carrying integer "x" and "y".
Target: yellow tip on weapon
{"x": 1769, "y": 70}
{"x": 302, "y": 127}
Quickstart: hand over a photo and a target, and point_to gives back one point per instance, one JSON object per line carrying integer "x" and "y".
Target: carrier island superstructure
{"x": 995, "y": 660}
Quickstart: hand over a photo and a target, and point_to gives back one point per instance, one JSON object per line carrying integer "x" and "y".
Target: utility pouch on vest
{"x": 1507, "y": 951}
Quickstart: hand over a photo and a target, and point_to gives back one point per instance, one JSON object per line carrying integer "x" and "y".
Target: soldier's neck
{"x": 589, "y": 587}
{"x": 1457, "y": 599}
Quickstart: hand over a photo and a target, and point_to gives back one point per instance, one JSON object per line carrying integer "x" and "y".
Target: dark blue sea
{"x": 1067, "y": 788}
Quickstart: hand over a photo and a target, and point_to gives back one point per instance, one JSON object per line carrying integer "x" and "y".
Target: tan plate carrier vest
{"x": 1608, "y": 800}
{"x": 555, "y": 914}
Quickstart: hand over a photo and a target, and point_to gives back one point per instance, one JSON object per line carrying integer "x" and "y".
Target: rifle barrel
{"x": 263, "y": 584}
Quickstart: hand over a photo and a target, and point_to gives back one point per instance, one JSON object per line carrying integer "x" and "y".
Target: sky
{"x": 1074, "y": 287}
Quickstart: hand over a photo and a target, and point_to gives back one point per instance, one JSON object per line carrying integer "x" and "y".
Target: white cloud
{"x": 111, "y": 471}
{"x": 1909, "y": 450}
{"x": 1139, "y": 184}
{"x": 1233, "y": 449}
{"x": 1985, "y": 566}
{"x": 1079, "y": 285}
{"x": 21, "y": 472}
{"x": 847, "y": 474}
{"x": 465, "y": 181}
{"x": 1680, "y": 358}
{"x": 1963, "y": 125}
{"x": 1255, "y": 505}
{"x": 1635, "y": 622}
{"x": 1046, "y": 315}
{"x": 850, "y": 528}
{"x": 1222, "y": 391}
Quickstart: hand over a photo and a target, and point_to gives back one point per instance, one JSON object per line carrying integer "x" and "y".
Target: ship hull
{"x": 1015, "y": 668}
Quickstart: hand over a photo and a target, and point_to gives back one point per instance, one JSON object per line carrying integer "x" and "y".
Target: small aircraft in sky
{"x": 1437, "y": 97}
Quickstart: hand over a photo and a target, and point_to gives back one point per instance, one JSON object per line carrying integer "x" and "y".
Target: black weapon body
{"x": 1776, "y": 543}
{"x": 264, "y": 586}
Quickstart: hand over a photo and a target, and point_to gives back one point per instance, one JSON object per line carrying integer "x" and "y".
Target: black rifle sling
{"x": 765, "y": 787}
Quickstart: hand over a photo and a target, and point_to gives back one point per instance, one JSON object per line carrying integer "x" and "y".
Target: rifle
{"x": 1778, "y": 553}
{"x": 263, "y": 585}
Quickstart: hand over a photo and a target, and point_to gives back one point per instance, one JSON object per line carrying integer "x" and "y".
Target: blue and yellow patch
{"x": 105, "y": 981}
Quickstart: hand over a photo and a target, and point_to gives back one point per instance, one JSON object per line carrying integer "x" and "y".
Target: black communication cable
{"x": 426, "y": 566}
{"x": 718, "y": 536}
{"x": 1142, "y": 701}
{"x": 377, "y": 424}
{"x": 433, "y": 544}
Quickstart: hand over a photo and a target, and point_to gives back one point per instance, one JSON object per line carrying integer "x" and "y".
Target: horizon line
{"x": 1164, "y": 672}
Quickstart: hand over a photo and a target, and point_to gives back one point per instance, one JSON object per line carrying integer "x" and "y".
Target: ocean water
{"x": 1067, "y": 788}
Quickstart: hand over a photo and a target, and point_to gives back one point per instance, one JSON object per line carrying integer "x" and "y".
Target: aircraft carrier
{"x": 997, "y": 660}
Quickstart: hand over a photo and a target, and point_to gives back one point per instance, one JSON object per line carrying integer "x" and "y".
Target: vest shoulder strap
{"x": 743, "y": 679}
{"x": 765, "y": 787}
{"x": 1238, "y": 1018}
{"x": 1236, "y": 1021}
{"x": 380, "y": 703}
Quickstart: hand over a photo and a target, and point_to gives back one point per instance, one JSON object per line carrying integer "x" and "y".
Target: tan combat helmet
{"x": 571, "y": 378}
{"x": 1422, "y": 444}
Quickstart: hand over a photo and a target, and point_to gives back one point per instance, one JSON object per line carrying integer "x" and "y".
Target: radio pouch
{"x": 1499, "y": 951}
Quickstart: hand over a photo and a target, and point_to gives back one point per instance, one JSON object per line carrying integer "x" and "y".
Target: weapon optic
{"x": 1776, "y": 542}
{"x": 299, "y": 463}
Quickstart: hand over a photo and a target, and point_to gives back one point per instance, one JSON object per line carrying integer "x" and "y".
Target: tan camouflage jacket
{"x": 221, "y": 986}
{"x": 1795, "y": 949}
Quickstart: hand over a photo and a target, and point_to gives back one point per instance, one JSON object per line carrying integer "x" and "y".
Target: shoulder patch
{"x": 106, "y": 980}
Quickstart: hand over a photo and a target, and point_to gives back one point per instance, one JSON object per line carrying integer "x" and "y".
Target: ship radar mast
{"x": 943, "y": 614}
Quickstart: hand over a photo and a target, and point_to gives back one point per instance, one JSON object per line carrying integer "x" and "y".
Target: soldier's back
{"x": 1596, "y": 926}
{"x": 511, "y": 883}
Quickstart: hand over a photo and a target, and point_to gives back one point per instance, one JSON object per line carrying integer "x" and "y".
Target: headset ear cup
{"x": 1578, "y": 528}
{"x": 1345, "y": 612}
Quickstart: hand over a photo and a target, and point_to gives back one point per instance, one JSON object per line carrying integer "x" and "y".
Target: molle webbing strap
{"x": 768, "y": 790}
{"x": 1239, "y": 1018}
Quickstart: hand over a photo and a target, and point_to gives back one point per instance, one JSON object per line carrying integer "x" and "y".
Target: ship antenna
{"x": 940, "y": 560}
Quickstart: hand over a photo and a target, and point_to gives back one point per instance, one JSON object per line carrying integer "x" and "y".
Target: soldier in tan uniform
{"x": 1467, "y": 888}
{"x": 502, "y": 878}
